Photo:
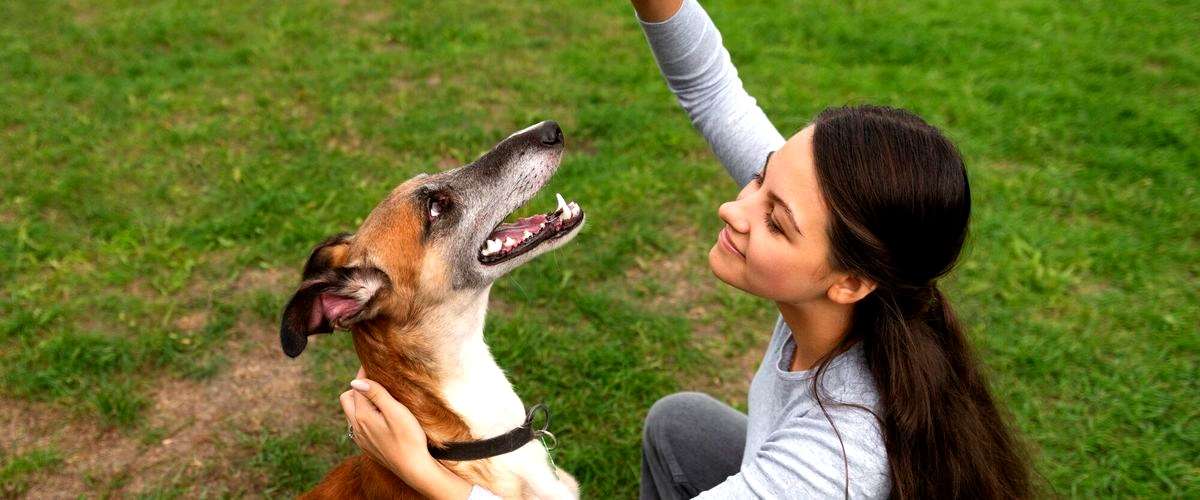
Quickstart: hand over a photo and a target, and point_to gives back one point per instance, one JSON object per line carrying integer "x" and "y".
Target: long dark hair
{"x": 896, "y": 189}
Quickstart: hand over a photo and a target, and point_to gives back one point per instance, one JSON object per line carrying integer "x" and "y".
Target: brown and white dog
{"x": 412, "y": 284}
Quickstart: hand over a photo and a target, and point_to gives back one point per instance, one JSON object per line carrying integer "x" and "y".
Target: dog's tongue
{"x": 516, "y": 229}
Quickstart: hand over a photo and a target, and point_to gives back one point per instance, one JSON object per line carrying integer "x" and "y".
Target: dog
{"x": 412, "y": 285}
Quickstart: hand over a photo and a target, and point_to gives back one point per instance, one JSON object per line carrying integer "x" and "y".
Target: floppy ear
{"x": 337, "y": 299}
{"x": 327, "y": 255}
{"x": 330, "y": 296}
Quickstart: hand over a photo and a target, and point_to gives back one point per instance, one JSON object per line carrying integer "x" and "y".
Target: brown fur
{"x": 393, "y": 345}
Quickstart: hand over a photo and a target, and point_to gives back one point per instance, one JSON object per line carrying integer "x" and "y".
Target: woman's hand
{"x": 390, "y": 434}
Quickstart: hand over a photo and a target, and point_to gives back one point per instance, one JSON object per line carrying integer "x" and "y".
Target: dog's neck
{"x": 442, "y": 370}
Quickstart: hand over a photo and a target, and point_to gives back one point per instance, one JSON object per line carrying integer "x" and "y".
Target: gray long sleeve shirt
{"x": 792, "y": 450}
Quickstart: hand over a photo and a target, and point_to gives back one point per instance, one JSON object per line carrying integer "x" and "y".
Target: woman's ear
{"x": 849, "y": 288}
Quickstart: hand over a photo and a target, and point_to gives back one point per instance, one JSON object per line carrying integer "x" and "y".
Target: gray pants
{"x": 690, "y": 444}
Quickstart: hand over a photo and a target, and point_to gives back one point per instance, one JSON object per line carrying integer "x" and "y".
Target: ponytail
{"x": 944, "y": 434}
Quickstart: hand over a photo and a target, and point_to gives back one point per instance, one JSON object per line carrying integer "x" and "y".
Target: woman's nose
{"x": 734, "y": 215}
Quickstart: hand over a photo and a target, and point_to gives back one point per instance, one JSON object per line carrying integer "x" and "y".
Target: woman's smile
{"x": 725, "y": 241}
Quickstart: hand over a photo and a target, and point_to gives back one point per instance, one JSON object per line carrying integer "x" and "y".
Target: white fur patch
{"x": 478, "y": 391}
{"x": 526, "y": 129}
{"x": 363, "y": 288}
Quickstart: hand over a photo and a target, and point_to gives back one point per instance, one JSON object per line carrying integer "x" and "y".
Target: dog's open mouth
{"x": 511, "y": 239}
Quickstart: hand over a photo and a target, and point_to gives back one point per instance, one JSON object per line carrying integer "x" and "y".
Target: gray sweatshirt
{"x": 791, "y": 451}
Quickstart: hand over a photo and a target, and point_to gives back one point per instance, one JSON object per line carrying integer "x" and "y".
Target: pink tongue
{"x": 516, "y": 229}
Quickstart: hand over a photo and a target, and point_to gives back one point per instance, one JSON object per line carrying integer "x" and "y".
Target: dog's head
{"x": 432, "y": 238}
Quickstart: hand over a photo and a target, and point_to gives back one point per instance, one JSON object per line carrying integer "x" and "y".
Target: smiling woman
{"x": 868, "y": 387}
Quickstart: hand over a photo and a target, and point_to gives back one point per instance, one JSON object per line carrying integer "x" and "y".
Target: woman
{"x": 868, "y": 387}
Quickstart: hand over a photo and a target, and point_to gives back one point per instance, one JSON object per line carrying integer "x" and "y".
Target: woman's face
{"x": 774, "y": 243}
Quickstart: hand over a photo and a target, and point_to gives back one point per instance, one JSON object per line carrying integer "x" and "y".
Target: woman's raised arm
{"x": 688, "y": 49}
{"x": 656, "y": 11}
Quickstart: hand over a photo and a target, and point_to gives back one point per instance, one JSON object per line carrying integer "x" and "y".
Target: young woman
{"x": 868, "y": 387}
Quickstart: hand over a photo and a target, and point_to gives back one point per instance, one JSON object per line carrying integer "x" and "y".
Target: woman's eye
{"x": 771, "y": 225}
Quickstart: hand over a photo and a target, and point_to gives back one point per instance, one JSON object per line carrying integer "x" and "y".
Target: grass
{"x": 15, "y": 471}
{"x": 154, "y": 153}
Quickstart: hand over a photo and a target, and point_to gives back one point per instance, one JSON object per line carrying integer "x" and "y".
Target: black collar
{"x": 499, "y": 445}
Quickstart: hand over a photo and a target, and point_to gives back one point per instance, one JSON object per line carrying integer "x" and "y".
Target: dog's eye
{"x": 439, "y": 204}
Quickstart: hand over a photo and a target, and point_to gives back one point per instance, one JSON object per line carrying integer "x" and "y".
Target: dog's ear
{"x": 329, "y": 295}
{"x": 327, "y": 255}
{"x": 334, "y": 299}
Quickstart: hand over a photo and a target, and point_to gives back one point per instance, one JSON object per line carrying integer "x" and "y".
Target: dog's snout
{"x": 549, "y": 133}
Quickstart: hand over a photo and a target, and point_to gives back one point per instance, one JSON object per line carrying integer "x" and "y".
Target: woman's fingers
{"x": 356, "y": 430}
{"x": 347, "y": 401}
{"x": 371, "y": 426}
{"x": 388, "y": 432}
{"x": 378, "y": 398}
{"x": 362, "y": 373}
{"x": 364, "y": 409}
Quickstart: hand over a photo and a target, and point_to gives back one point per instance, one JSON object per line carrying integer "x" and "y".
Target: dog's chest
{"x": 482, "y": 396}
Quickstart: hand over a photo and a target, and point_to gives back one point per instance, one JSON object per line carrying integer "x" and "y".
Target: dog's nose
{"x": 550, "y": 134}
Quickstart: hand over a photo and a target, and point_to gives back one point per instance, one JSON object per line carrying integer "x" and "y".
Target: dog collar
{"x": 484, "y": 448}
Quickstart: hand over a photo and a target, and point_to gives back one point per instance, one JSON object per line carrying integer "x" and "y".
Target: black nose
{"x": 550, "y": 134}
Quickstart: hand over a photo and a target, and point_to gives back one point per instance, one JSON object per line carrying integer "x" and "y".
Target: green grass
{"x": 290, "y": 459}
{"x": 153, "y": 152}
{"x": 15, "y": 471}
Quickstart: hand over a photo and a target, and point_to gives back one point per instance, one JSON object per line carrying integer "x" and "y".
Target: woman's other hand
{"x": 390, "y": 434}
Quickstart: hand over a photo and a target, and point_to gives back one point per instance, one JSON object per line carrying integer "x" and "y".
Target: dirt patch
{"x": 260, "y": 388}
{"x": 373, "y": 17}
{"x": 29, "y": 426}
{"x": 140, "y": 287}
{"x": 192, "y": 322}
{"x": 191, "y": 435}
{"x": 1095, "y": 286}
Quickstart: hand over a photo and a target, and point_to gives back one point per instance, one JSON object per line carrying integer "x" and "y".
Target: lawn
{"x": 167, "y": 165}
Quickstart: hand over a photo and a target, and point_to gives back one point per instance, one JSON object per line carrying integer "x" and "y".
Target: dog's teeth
{"x": 542, "y": 225}
{"x": 493, "y": 246}
{"x": 527, "y": 234}
{"x": 509, "y": 242}
{"x": 485, "y": 252}
{"x": 562, "y": 204}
